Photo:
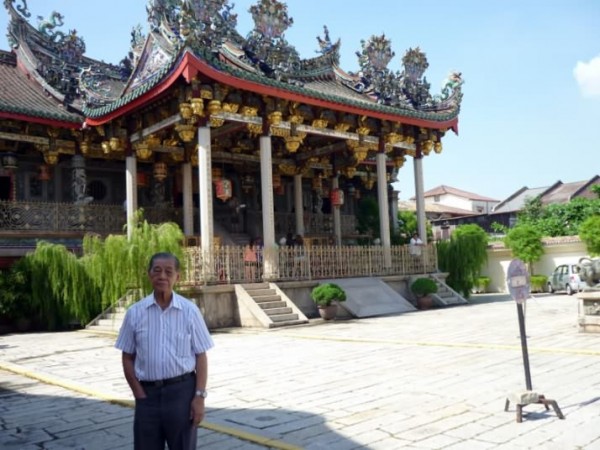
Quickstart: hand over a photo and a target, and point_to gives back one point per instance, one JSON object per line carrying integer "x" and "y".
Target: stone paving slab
{"x": 422, "y": 380}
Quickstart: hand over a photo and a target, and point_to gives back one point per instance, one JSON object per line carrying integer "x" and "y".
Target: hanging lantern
{"x": 316, "y": 183}
{"x": 276, "y": 181}
{"x": 223, "y": 189}
{"x": 160, "y": 171}
{"x": 337, "y": 197}
{"x": 9, "y": 161}
{"x": 44, "y": 173}
{"x": 142, "y": 179}
{"x": 247, "y": 183}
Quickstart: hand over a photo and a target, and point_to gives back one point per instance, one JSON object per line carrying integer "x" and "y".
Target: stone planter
{"x": 425, "y": 302}
{"x": 589, "y": 311}
{"x": 328, "y": 312}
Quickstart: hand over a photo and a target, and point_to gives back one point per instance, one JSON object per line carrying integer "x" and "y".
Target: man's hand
{"x": 197, "y": 410}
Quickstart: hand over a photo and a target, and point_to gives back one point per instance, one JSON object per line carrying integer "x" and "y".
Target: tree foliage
{"x": 558, "y": 219}
{"x": 57, "y": 287}
{"x": 589, "y": 233}
{"x": 525, "y": 242}
{"x": 463, "y": 256}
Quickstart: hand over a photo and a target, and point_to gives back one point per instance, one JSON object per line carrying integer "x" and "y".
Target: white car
{"x": 565, "y": 278}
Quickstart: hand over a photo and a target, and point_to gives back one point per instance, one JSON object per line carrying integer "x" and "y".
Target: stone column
{"x": 188, "y": 204}
{"x": 131, "y": 200}
{"x": 337, "y": 218}
{"x": 394, "y": 210}
{"x": 78, "y": 180}
{"x": 206, "y": 203}
{"x": 268, "y": 213}
{"x": 420, "y": 199}
{"x": 382, "y": 198}
{"x": 299, "y": 205}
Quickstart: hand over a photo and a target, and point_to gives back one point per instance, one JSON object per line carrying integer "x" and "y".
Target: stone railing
{"x": 226, "y": 264}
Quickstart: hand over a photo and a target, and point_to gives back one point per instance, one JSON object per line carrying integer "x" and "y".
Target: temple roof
{"x": 21, "y": 96}
{"x": 206, "y": 30}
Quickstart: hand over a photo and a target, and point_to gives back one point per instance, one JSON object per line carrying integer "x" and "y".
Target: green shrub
{"x": 423, "y": 286}
{"x": 325, "y": 294}
{"x": 481, "y": 284}
{"x": 538, "y": 282}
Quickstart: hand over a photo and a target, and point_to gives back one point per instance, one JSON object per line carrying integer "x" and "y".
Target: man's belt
{"x": 167, "y": 381}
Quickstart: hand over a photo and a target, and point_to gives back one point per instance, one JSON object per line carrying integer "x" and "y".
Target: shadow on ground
{"x": 69, "y": 422}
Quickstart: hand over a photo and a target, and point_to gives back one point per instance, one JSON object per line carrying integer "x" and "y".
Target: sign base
{"x": 525, "y": 398}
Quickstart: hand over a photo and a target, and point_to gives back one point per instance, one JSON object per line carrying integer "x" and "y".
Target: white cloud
{"x": 587, "y": 75}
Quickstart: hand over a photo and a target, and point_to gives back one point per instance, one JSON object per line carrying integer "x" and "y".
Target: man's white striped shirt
{"x": 165, "y": 342}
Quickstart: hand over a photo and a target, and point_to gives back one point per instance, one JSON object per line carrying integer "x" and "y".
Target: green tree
{"x": 55, "y": 286}
{"x": 589, "y": 233}
{"x": 525, "y": 242}
{"x": 463, "y": 256}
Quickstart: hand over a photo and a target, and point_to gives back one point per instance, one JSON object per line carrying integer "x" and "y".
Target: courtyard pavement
{"x": 434, "y": 379}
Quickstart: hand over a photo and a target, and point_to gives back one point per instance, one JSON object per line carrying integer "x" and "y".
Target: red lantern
{"x": 44, "y": 174}
{"x": 142, "y": 179}
{"x": 223, "y": 189}
{"x": 337, "y": 197}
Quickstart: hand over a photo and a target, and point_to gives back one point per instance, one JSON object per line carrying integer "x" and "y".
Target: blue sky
{"x": 531, "y": 108}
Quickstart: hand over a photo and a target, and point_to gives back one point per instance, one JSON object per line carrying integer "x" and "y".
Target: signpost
{"x": 517, "y": 280}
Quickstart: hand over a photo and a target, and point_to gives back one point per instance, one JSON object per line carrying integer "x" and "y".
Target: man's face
{"x": 163, "y": 275}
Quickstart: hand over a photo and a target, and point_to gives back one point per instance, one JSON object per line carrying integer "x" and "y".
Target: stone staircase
{"x": 265, "y": 305}
{"x": 446, "y": 296}
{"x": 110, "y": 320}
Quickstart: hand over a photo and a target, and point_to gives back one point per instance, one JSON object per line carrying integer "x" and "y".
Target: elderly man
{"x": 164, "y": 341}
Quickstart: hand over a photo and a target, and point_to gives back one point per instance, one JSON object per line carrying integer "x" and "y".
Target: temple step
{"x": 265, "y": 305}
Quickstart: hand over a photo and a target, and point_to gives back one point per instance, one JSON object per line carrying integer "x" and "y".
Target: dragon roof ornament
{"x": 199, "y": 24}
{"x": 406, "y": 89}
{"x": 60, "y": 55}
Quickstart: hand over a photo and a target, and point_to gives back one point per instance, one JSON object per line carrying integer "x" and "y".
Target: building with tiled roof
{"x": 456, "y": 198}
{"x": 197, "y": 120}
{"x": 506, "y": 212}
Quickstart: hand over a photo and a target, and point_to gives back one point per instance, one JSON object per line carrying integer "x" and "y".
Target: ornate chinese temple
{"x": 228, "y": 135}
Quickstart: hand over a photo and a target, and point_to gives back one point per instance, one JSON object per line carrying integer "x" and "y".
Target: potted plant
{"x": 481, "y": 284}
{"x": 422, "y": 288}
{"x": 326, "y": 296}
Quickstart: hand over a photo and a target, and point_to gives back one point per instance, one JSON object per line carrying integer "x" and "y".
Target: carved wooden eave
{"x": 191, "y": 67}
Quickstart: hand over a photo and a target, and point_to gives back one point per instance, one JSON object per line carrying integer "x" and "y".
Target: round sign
{"x": 517, "y": 280}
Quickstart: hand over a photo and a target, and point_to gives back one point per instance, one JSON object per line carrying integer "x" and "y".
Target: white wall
{"x": 554, "y": 255}
{"x": 452, "y": 200}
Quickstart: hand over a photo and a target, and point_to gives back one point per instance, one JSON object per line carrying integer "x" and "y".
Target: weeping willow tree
{"x": 463, "y": 256}
{"x": 65, "y": 287}
{"x": 117, "y": 264}
{"x": 61, "y": 288}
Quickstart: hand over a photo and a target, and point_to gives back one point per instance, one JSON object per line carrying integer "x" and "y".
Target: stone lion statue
{"x": 590, "y": 271}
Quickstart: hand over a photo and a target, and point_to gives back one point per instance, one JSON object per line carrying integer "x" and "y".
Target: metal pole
{"x": 524, "y": 346}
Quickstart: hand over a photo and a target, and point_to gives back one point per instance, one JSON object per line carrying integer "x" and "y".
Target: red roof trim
{"x": 40, "y": 120}
{"x": 190, "y": 66}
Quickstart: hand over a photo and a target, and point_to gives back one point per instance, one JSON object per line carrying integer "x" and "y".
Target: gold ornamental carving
{"x": 274, "y": 118}
{"x": 197, "y": 105}
{"x": 51, "y": 158}
{"x": 216, "y": 122}
{"x": 437, "y": 147}
{"x": 254, "y": 128}
{"x": 320, "y": 123}
{"x": 142, "y": 150}
{"x": 249, "y": 111}
{"x": 153, "y": 141}
{"x": 288, "y": 169}
{"x": 341, "y": 126}
{"x": 426, "y": 147}
{"x": 231, "y": 107}
{"x": 399, "y": 161}
{"x": 360, "y": 152}
{"x": 186, "y": 132}
{"x": 186, "y": 111}
{"x": 292, "y": 143}
{"x": 214, "y": 107}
